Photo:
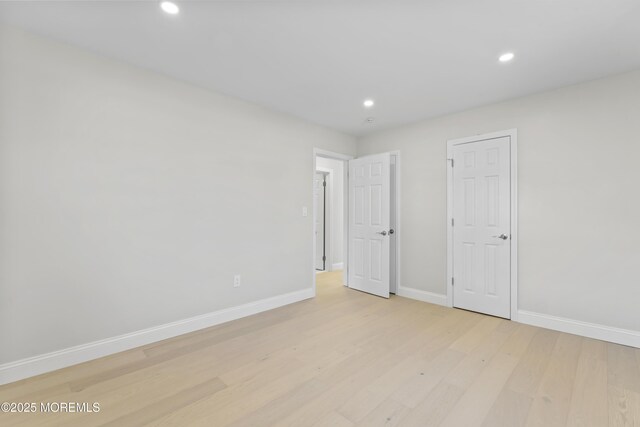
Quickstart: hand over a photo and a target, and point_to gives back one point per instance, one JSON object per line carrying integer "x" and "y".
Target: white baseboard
{"x": 25, "y": 368}
{"x": 591, "y": 330}
{"x": 337, "y": 266}
{"x": 421, "y": 295}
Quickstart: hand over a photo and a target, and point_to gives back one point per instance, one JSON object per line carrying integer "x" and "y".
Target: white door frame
{"x": 319, "y": 152}
{"x": 328, "y": 176}
{"x": 513, "y": 137}
{"x": 398, "y": 216}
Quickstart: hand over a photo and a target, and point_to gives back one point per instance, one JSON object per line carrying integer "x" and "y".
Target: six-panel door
{"x": 369, "y": 218}
{"x": 482, "y": 228}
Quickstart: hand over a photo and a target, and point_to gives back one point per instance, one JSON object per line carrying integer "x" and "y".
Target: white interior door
{"x": 319, "y": 203}
{"x": 482, "y": 226}
{"x": 369, "y": 220}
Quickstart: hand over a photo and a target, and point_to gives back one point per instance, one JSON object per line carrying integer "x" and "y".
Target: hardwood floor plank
{"x": 150, "y": 413}
{"x": 589, "y": 400}
{"x": 467, "y": 371}
{"x": 57, "y": 381}
{"x": 532, "y": 365}
{"x": 346, "y": 358}
{"x": 226, "y": 407}
{"x": 406, "y": 370}
{"x": 623, "y": 368}
{"x": 624, "y": 407}
{"x": 476, "y": 335}
{"x": 434, "y": 408}
{"x": 550, "y": 405}
{"x": 278, "y": 408}
{"x": 333, "y": 419}
{"x": 414, "y": 391}
{"x": 510, "y": 409}
{"x": 387, "y": 414}
{"x": 518, "y": 342}
{"x": 478, "y": 399}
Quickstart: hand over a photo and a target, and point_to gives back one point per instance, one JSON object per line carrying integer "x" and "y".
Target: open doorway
{"x": 334, "y": 226}
{"x": 329, "y": 214}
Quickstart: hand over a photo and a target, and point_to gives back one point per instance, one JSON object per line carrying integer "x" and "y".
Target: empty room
{"x": 317, "y": 213}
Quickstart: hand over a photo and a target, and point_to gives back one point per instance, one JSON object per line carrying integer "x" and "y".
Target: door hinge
{"x": 324, "y": 258}
{"x": 451, "y": 162}
{"x": 324, "y": 183}
{"x": 452, "y": 222}
{"x": 452, "y": 281}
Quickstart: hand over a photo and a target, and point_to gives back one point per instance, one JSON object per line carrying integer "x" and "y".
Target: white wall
{"x": 579, "y": 202}
{"x": 336, "y": 168}
{"x": 129, "y": 200}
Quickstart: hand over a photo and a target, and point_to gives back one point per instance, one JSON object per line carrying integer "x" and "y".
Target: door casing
{"x": 319, "y": 152}
{"x": 513, "y": 142}
{"x": 327, "y": 217}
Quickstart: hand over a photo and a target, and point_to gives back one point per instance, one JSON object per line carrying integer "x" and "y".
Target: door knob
{"x": 384, "y": 233}
{"x": 502, "y": 236}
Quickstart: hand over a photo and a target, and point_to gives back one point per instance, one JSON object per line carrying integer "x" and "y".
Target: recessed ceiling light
{"x": 506, "y": 57}
{"x": 368, "y": 103}
{"x": 170, "y": 7}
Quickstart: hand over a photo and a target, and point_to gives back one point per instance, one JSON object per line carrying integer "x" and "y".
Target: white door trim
{"x": 398, "y": 216}
{"x": 319, "y": 152}
{"x": 328, "y": 241}
{"x": 513, "y": 136}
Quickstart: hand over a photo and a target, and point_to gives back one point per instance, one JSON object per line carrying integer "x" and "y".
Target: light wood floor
{"x": 350, "y": 359}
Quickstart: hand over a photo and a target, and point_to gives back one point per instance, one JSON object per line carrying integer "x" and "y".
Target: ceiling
{"x": 319, "y": 60}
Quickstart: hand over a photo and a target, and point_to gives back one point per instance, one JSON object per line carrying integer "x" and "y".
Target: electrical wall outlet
{"x": 236, "y": 281}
